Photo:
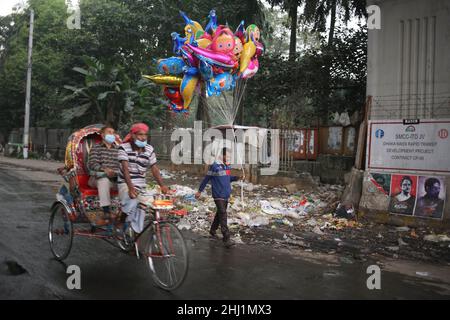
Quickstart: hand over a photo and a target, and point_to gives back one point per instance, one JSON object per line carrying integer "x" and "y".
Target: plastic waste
{"x": 401, "y": 242}
{"x": 266, "y": 207}
{"x": 237, "y": 239}
{"x": 345, "y": 211}
{"x": 189, "y": 198}
{"x": 259, "y": 221}
{"x": 165, "y": 174}
{"x": 436, "y": 238}
{"x": 311, "y": 222}
{"x": 317, "y": 230}
{"x": 344, "y": 119}
{"x": 184, "y": 224}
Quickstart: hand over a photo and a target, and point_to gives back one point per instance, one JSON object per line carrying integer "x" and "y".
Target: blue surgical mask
{"x": 140, "y": 144}
{"x": 110, "y": 138}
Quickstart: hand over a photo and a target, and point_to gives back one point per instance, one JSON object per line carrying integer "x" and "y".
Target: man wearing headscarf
{"x": 136, "y": 156}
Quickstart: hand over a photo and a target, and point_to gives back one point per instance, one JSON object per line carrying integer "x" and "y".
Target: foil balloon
{"x": 203, "y": 42}
{"x": 187, "y": 88}
{"x": 252, "y": 31}
{"x": 188, "y": 56}
{"x": 213, "y": 58}
{"x": 238, "y": 47}
{"x": 259, "y": 49}
{"x": 175, "y": 98}
{"x": 252, "y": 68}
{"x": 223, "y": 40}
{"x": 206, "y": 70}
{"x": 171, "y": 66}
{"x": 222, "y": 82}
{"x": 191, "y": 29}
{"x": 212, "y": 24}
{"x": 172, "y": 81}
{"x": 191, "y": 71}
{"x": 248, "y": 53}
{"x": 240, "y": 31}
{"x": 178, "y": 42}
{"x": 217, "y": 58}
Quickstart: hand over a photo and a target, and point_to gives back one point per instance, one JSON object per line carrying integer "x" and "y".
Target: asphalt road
{"x": 27, "y": 270}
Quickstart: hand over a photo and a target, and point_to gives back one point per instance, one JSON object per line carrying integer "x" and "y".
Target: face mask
{"x": 110, "y": 138}
{"x": 140, "y": 144}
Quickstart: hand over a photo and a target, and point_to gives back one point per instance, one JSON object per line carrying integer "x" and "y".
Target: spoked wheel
{"x": 167, "y": 256}
{"x": 125, "y": 238}
{"x": 60, "y": 232}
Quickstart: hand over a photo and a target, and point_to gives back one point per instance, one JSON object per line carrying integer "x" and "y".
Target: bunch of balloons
{"x": 213, "y": 57}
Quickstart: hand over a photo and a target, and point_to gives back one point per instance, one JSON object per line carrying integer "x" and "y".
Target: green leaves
{"x": 81, "y": 70}
{"x": 103, "y": 95}
{"x": 94, "y": 74}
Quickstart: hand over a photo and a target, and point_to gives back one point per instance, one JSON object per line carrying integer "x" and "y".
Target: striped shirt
{"x": 138, "y": 163}
{"x": 102, "y": 157}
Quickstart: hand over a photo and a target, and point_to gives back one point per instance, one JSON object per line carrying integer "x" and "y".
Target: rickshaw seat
{"x": 87, "y": 190}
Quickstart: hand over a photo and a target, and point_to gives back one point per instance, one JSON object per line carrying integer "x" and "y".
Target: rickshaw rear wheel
{"x": 60, "y": 232}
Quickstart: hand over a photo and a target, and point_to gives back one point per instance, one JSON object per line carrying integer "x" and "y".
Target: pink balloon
{"x": 187, "y": 54}
{"x": 259, "y": 48}
{"x": 252, "y": 69}
{"x": 221, "y": 59}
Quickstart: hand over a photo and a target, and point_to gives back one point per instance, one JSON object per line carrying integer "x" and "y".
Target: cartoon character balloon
{"x": 223, "y": 40}
{"x": 238, "y": 47}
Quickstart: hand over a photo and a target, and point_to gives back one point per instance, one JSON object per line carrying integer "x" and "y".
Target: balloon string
{"x": 225, "y": 108}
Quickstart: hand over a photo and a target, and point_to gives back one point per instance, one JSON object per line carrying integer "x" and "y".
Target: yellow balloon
{"x": 162, "y": 79}
{"x": 187, "y": 89}
{"x": 247, "y": 54}
{"x": 191, "y": 30}
{"x": 203, "y": 43}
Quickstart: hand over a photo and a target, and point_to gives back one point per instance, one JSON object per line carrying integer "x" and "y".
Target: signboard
{"x": 423, "y": 147}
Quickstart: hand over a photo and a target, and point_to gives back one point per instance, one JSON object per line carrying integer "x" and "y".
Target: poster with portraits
{"x": 403, "y": 194}
{"x": 411, "y": 195}
{"x": 430, "y": 197}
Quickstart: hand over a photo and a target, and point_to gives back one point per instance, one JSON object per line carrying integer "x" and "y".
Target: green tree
{"x": 291, "y": 6}
{"x": 108, "y": 93}
{"x": 50, "y": 64}
{"x": 317, "y": 11}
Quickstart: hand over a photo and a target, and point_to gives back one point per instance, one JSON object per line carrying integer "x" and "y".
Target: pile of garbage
{"x": 265, "y": 206}
{"x": 313, "y": 219}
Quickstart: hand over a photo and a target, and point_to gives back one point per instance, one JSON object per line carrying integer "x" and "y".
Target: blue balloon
{"x": 172, "y": 65}
{"x": 212, "y": 24}
{"x": 220, "y": 83}
{"x": 178, "y": 42}
{"x": 206, "y": 70}
{"x": 191, "y": 71}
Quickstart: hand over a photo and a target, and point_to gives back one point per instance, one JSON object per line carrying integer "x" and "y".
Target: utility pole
{"x": 26, "y": 129}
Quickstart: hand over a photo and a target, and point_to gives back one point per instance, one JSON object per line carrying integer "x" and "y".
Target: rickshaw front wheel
{"x": 60, "y": 232}
{"x": 167, "y": 256}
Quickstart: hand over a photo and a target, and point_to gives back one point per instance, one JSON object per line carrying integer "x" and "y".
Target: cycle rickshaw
{"x": 77, "y": 212}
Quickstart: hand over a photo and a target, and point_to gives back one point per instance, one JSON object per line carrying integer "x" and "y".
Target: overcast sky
{"x": 7, "y": 5}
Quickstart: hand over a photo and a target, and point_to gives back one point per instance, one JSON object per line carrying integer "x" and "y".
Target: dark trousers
{"x": 221, "y": 219}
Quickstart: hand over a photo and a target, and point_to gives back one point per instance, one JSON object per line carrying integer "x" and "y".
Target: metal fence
{"x": 42, "y": 141}
{"x": 161, "y": 142}
{"x": 412, "y": 106}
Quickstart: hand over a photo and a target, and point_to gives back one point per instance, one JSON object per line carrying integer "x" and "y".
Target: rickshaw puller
{"x": 136, "y": 156}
